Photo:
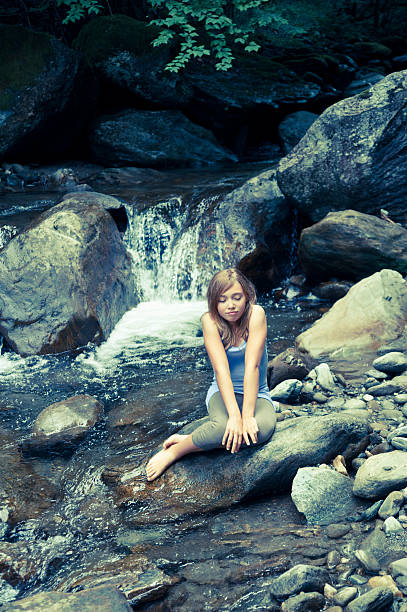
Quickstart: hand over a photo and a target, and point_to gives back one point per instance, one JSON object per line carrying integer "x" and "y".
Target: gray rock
{"x": 355, "y": 404}
{"x": 397, "y": 433}
{"x": 336, "y": 403}
{"x": 401, "y": 381}
{"x": 401, "y": 398}
{"x": 391, "y": 363}
{"x": 293, "y": 128}
{"x": 286, "y": 391}
{"x": 305, "y": 578}
{"x": 399, "y": 443}
{"x": 385, "y": 388}
{"x": 359, "y": 136}
{"x": 323, "y": 495}
{"x": 89, "y": 600}
{"x": 399, "y": 567}
{"x": 362, "y": 81}
{"x": 64, "y": 423}
{"x": 323, "y": 377}
{"x": 381, "y": 474}
{"x": 391, "y": 505}
{"x": 217, "y": 480}
{"x": 73, "y": 301}
{"x": 392, "y": 525}
{"x": 376, "y": 374}
{"x": 304, "y": 602}
{"x": 286, "y": 365}
{"x": 367, "y": 560}
{"x": 345, "y": 330}
{"x": 155, "y": 139}
{"x": 345, "y": 595}
{"x": 379, "y": 599}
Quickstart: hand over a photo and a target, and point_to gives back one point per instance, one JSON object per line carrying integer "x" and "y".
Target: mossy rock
{"x": 364, "y": 51}
{"x": 398, "y": 44}
{"x": 23, "y": 56}
{"x": 106, "y": 36}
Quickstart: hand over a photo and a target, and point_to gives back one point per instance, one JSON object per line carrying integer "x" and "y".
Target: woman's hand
{"x": 250, "y": 429}
{"x": 232, "y": 437}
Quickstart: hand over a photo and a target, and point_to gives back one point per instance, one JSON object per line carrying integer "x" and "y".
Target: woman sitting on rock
{"x": 239, "y": 403}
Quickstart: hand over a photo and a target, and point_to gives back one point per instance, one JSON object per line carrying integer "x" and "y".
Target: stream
{"x": 217, "y": 562}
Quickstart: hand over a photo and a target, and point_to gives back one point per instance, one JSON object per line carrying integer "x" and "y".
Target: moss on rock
{"x": 105, "y": 36}
{"x": 23, "y": 56}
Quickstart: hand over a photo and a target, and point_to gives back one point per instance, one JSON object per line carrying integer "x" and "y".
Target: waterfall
{"x": 176, "y": 248}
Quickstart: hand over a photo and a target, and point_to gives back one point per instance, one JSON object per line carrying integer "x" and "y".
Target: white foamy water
{"x": 144, "y": 330}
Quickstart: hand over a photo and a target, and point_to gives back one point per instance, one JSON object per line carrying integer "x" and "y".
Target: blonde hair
{"x": 220, "y": 283}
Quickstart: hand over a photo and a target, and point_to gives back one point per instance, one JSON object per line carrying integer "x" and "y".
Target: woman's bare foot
{"x": 159, "y": 463}
{"x": 174, "y": 439}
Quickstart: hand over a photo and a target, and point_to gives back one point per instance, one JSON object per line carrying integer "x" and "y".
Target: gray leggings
{"x": 209, "y": 435}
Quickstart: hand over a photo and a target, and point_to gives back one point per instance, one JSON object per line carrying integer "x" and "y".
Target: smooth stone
{"x": 401, "y": 398}
{"x": 304, "y": 602}
{"x": 357, "y": 579}
{"x": 372, "y": 511}
{"x": 391, "y": 505}
{"x": 385, "y": 581}
{"x": 391, "y": 363}
{"x": 399, "y": 443}
{"x": 392, "y": 525}
{"x": 367, "y": 560}
{"x": 376, "y": 374}
{"x": 381, "y": 474}
{"x": 393, "y": 415}
{"x": 333, "y": 559}
{"x": 89, "y": 600}
{"x": 301, "y": 577}
{"x": 355, "y": 404}
{"x": 319, "y": 397}
{"x": 345, "y": 595}
{"x": 336, "y": 403}
{"x": 399, "y": 567}
{"x": 337, "y": 530}
{"x": 379, "y": 599}
{"x": 323, "y": 495}
{"x": 401, "y": 381}
{"x": 287, "y": 390}
{"x": 324, "y": 377}
{"x": 386, "y": 388}
{"x": 396, "y": 433}
{"x": 367, "y": 397}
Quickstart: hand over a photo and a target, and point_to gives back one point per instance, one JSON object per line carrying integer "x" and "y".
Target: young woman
{"x": 239, "y": 404}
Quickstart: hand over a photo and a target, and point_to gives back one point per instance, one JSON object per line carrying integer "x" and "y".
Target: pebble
{"x": 391, "y": 505}
{"x": 355, "y": 404}
{"x": 376, "y": 374}
{"x": 334, "y": 609}
{"x": 368, "y": 561}
{"x": 345, "y": 595}
{"x": 333, "y": 559}
{"x": 337, "y": 530}
{"x": 367, "y": 397}
{"x": 357, "y": 579}
{"x": 329, "y": 591}
{"x": 392, "y": 525}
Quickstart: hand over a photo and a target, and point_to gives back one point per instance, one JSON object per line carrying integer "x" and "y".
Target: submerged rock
{"x": 209, "y": 481}
{"x": 64, "y": 423}
{"x": 352, "y": 245}
{"x": 88, "y": 600}
{"x": 353, "y": 155}
{"x": 377, "y": 303}
{"x": 83, "y": 282}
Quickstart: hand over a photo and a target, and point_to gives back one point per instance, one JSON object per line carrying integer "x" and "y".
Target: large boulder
{"x": 373, "y": 312}
{"x": 154, "y": 139}
{"x": 353, "y": 155}
{"x": 214, "y": 480}
{"x": 45, "y": 94}
{"x": 65, "y": 281}
{"x": 381, "y": 474}
{"x": 352, "y": 245}
{"x": 102, "y": 598}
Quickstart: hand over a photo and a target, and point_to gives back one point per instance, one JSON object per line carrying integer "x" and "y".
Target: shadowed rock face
{"x": 353, "y": 156}
{"x": 352, "y": 245}
{"x": 206, "y": 482}
{"x": 65, "y": 281}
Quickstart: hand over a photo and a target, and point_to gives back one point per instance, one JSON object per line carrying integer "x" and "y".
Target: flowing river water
{"x": 218, "y": 562}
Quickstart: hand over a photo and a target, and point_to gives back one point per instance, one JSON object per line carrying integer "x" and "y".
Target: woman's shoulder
{"x": 207, "y": 321}
{"x": 257, "y": 313}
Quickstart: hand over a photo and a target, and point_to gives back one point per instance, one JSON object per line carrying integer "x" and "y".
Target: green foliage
{"x": 77, "y": 9}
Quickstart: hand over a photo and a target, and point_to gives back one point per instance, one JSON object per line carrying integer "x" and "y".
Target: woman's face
{"x": 231, "y": 303}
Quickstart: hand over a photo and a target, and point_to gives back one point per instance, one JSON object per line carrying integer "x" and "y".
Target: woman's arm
{"x": 217, "y": 355}
{"x": 253, "y": 356}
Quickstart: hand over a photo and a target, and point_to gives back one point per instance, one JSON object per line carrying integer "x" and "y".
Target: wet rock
{"x": 385, "y": 388}
{"x": 367, "y": 560}
{"x": 399, "y": 432}
{"x": 304, "y": 602}
{"x": 355, "y": 404}
{"x": 370, "y": 158}
{"x": 64, "y": 424}
{"x": 364, "y": 79}
{"x": 218, "y": 480}
{"x": 381, "y": 474}
{"x": 89, "y": 600}
{"x": 373, "y": 373}
{"x": 379, "y": 599}
{"x": 385, "y": 581}
{"x": 293, "y": 128}
{"x": 307, "y": 578}
{"x": 45, "y": 92}
{"x": 73, "y": 301}
{"x": 401, "y": 399}
{"x": 332, "y": 560}
{"x": 19, "y": 562}
{"x": 155, "y": 139}
{"x": 332, "y": 290}
{"x": 352, "y": 245}
{"x": 391, "y": 504}
{"x": 323, "y": 495}
{"x": 114, "y": 206}
{"x": 378, "y": 302}
{"x": 134, "y": 576}
{"x": 287, "y": 391}
{"x": 286, "y": 365}
{"x": 392, "y": 526}
{"x": 323, "y": 377}
{"x": 337, "y": 530}
{"x": 399, "y": 443}
{"x": 345, "y": 595}
{"x": 391, "y": 363}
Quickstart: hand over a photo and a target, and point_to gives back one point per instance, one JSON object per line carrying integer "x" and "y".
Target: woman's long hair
{"x": 220, "y": 283}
